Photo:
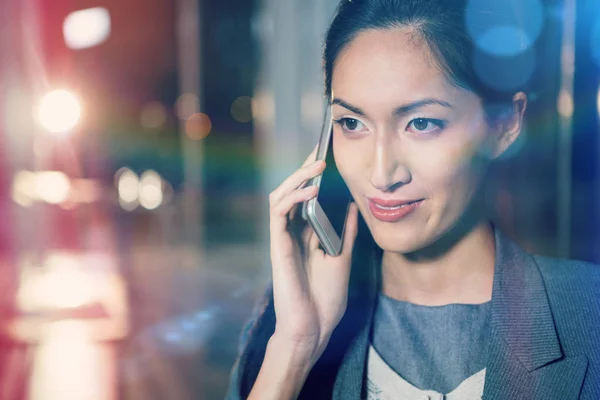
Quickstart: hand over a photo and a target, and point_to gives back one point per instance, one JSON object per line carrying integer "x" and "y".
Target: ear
{"x": 509, "y": 126}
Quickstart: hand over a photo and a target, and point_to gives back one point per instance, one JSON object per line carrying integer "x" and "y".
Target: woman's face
{"x": 403, "y": 133}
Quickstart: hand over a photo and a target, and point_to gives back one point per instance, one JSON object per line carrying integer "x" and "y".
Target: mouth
{"x": 392, "y": 210}
{"x": 390, "y": 204}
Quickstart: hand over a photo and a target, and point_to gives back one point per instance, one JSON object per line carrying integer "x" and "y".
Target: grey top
{"x": 432, "y": 348}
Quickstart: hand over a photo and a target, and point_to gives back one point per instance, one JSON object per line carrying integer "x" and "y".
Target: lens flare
{"x": 59, "y": 111}
{"x": 86, "y": 28}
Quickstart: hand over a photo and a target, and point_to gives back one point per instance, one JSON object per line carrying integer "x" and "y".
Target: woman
{"x": 439, "y": 302}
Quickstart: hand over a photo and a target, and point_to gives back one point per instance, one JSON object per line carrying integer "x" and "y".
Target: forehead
{"x": 389, "y": 65}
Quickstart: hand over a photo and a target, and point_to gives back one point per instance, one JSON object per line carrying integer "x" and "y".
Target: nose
{"x": 388, "y": 171}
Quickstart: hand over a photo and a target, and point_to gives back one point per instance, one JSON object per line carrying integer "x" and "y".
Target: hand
{"x": 310, "y": 287}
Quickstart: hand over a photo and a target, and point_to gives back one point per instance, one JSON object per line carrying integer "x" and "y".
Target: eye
{"x": 350, "y": 124}
{"x": 425, "y": 125}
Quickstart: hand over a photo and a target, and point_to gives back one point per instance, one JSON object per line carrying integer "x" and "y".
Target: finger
{"x": 351, "y": 230}
{"x": 295, "y": 180}
{"x": 279, "y": 212}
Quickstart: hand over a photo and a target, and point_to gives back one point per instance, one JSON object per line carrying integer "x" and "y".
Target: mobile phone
{"x": 327, "y": 211}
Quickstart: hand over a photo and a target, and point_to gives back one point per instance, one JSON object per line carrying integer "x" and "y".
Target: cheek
{"x": 448, "y": 171}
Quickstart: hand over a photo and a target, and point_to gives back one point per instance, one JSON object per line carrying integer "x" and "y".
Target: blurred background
{"x": 139, "y": 141}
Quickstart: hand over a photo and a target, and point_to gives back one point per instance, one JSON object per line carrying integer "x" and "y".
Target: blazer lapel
{"x": 525, "y": 359}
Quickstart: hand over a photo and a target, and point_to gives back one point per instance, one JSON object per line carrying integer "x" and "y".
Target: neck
{"x": 456, "y": 269}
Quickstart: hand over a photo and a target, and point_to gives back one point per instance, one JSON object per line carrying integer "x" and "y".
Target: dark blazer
{"x": 544, "y": 342}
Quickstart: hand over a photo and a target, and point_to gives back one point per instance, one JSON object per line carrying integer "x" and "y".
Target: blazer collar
{"x": 525, "y": 359}
{"x": 520, "y": 311}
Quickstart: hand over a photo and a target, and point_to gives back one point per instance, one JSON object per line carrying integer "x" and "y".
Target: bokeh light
{"x": 59, "y": 111}
{"x": 128, "y": 206}
{"x": 501, "y": 29}
{"x": 86, "y": 28}
{"x": 23, "y": 188}
{"x": 504, "y": 41}
{"x": 186, "y": 105}
{"x": 65, "y": 284}
{"x": 58, "y": 282}
{"x": 150, "y": 190}
{"x": 241, "y": 109}
{"x": 198, "y": 126}
{"x": 565, "y": 104}
{"x": 128, "y": 188}
{"x": 153, "y": 115}
{"x": 505, "y": 74}
{"x": 68, "y": 364}
{"x": 187, "y": 333}
{"x": 52, "y": 187}
{"x": 263, "y": 106}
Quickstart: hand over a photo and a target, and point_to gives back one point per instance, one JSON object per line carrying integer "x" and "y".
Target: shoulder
{"x": 569, "y": 275}
{"x": 573, "y": 290}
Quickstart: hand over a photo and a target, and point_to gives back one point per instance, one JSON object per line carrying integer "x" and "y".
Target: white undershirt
{"x": 383, "y": 383}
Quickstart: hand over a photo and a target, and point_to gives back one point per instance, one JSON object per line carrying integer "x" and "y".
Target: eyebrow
{"x": 399, "y": 110}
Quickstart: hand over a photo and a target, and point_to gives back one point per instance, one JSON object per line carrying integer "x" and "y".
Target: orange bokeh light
{"x": 198, "y": 126}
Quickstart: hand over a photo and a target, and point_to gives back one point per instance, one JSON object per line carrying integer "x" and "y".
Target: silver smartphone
{"x": 327, "y": 211}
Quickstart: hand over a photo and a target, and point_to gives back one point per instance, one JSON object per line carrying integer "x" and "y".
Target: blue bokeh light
{"x": 504, "y": 28}
{"x": 504, "y": 41}
{"x": 188, "y": 325}
{"x": 205, "y": 315}
{"x": 185, "y": 334}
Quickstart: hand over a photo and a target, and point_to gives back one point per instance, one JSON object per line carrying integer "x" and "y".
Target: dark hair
{"x": 440, "y": 23}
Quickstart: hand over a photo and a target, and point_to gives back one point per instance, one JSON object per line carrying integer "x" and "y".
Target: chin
{"x": 400, "y": 239}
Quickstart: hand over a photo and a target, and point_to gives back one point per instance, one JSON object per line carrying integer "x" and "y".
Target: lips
{"x": 392, "y": 210}
{"x": 392, "y": 203}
